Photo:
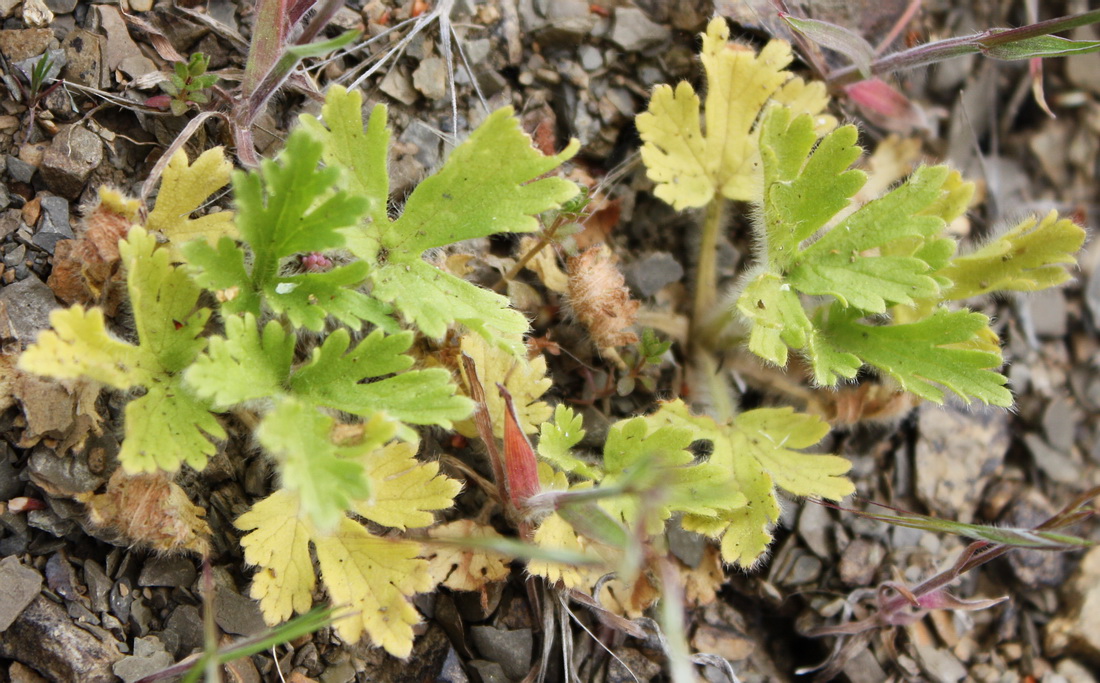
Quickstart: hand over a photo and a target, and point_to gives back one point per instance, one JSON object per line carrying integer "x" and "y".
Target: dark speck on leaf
{"x": 447, "y": 196}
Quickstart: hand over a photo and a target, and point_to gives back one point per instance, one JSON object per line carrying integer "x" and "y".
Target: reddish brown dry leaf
{"x": 151, "y": 511}
{"x": 86, "y": 270}
{"x": 600, "y": 299}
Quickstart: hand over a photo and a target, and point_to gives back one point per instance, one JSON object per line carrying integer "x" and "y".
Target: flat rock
{"x": 956, "y": 453}
{"x": 7, "y": 8}
{"x": 430, "y": 78}
{"x": 72, "y": 156}
{"x": 633, "y": 31}
{"x": 36, "y": 13}
{"x": 398, "y": 85}
{"x": 19, "y": 170}
{"x": 45, "y": 638}
{"x": 27, "y": 304}
{"x": 54, "y": 224}
{"x": 1079, "y": 631}
{"x": 20, "y": 44}
{"x": 561, "y": 21}
{"x": 172, "y": 571}
{"x": 652, "y": 272}
{"x": 510, "y": 648}
{"x": 84, "y": 53}
{"x": 237, "y": 614}
{"x": 149, "y": 657}
{"x": 119, "y": 46}
{"x": 61, "y": 6}
{"x": 19, "y": 586}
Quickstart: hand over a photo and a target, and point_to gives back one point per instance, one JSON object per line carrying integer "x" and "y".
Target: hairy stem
{"x": 706, "y": 280}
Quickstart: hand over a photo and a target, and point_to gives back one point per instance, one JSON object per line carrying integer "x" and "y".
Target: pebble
{"x": 633, "y": 31}
{"x": 237, "y": 614}
{"x": 957, "y": 451}
{"x": 28, "y": 304}
{"x": 61, "y": 6}
{"x": 171, "y": 571}
{"x": 36, "y": 14}
{"x": 628, "y": 665}
{"x": 398, "y": 85}
{"x": 10, "y": 484}
{"x": 19, "y": 170}
{"x": 591, "y": 57}
{"x": 184, "y": 630}
{"x": 84, "y": 54}
{"x": 44, "y": 637}
{"x": 99, "y": 586}
{"x": 860, "y": 561}
{"x": 1034, "y": 568}
{"x": 511, "y": 649}
{"x": 652, "y": 273}
{"x": 149, "y": 657}
{"x": 20, "y": 44}
{"x": 1079, "y": 631}
{"x": 561, "y": 21}
{"x": 54, "y": 224}
{"x": 7, "y": 8}
{"x": 430, "y": 78}
{"x": 72, "y": 156}
{"x": 19, "y": 586}
{"x": 1055, "y": 464}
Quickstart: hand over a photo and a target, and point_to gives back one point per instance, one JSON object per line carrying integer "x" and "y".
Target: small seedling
{"x": 186, "y": 86}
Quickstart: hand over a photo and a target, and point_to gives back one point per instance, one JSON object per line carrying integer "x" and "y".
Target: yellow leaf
{"x": 525, "y": 379}
{"x": 405, "y": 490}
{"x": 78, "y": 345}
{"x": 183, "y": 189}
{"x": 279, "y": 544}
{"x": 465, "y": 569}
{"x": 689, "y": 166}
{"x": 555, "y": 533}
{"x": 545, "y": 265}
{"x": 376, "y": 577}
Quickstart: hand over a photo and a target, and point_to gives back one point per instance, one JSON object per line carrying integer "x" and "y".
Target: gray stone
{"x": 1060, "y": 421}
{"x": 561, "y": 21}
{"x": 14, "y": 256}
{"x": 62, "y": 476}
{"x": 430, "y": 78}
{"x": 1048, "y": 312}
{"x": 813, "y": 527}
{"x": 54, "y": 224}
{"x": 171, "y": 571}
{"x": 84, "y": 54}
{"x": 591, "y": 57}
{"x": 633, "y": 31}
{"x": 398, "y": 85}
{"x": 44, "y": 637}
{"x": 10, "y": 221}
{"x": 427, "y": 143}
{"x": 61, "y": 6}
{"x": 5, "y": 198}
{"x": 1055, "y": 464}
{"x": 488, "y": 672}
{"x": 140, "y": 616}
{"x": 957, "y": 452}
{"x": 19, "y": 170}
{"x": 185, "y": 623}
{"x": 72, "y": 156}
{"x": 99, "y": 585}
{"x": 510, "y": 648}
{"x": 10, "y": 485}
{"x": 652, "y": 272}
{"x": 50, "y": 522}
{"x": 237, "y": 614}
{"x": 149, "y": 658}
{"x": 28, "y": 304}
{"x": 53, "y": 70}
{"x": 19, "y": 586}
{"x": 860, "y": 561}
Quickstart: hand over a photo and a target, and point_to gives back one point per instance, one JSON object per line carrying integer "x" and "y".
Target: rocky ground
{"x": 77, "y": 604}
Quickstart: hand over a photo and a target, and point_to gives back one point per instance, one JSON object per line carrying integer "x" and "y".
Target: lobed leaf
{"x": 924, "y": 354}
{"x": 1029, "y": 257}
{"x": 326, "y": 481}
{"x": 406, "y": 491}
{"x": 184, "y": 188}
{"x": 690, "y": 167}
{"x": 243, "y": 365}
{"x": 557, "y": 439}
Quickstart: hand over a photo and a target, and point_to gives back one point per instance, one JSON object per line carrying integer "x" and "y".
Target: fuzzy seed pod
{"x": 600, "y": 300}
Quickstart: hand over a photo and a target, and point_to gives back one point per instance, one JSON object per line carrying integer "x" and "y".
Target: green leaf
{"x": 327, "y": 481}
{"x": 756, "y": 452}
{"x": 221, "y": 269}
{"x": 431, "y": 299}
{"x": 1029, "y": 257}
{"x": 309, "y": 299}
{"x": 168, "y": 426}
{"x": 243, "y": 365}
{"x": 924, "y": 354}
{"x": 557, "y": 439}
{"x": 838, "y": 38}
{"x": 1039, "y": 46}
{"x": 778, "y": 319}
{"x": 278, "y": 214}
{"x": 362, "y": 153}
{"x": 334, "y": 378}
